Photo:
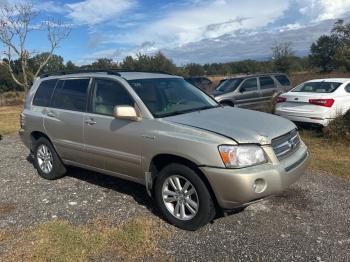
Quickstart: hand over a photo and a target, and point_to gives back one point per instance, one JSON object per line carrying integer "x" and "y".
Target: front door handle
{"x": 90, "y": 122}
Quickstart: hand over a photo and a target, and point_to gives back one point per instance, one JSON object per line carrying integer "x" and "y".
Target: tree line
{"x": 328, "y": 53}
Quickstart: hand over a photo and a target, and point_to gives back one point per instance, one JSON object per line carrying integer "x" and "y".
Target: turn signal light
{"x": 322, "y": 102}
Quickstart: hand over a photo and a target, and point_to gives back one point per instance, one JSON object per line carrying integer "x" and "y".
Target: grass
{"x": 9, "y": 119}
{"x": 62, "y": 241}
{"x": 326, "y": 155}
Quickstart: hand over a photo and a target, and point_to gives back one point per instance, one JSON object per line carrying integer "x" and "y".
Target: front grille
{"x": 286, "y": 145}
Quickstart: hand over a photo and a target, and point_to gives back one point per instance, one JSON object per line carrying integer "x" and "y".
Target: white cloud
{"x": 205, "y": 19}
{"x": 320, "y": 10}
{"x": 333, "y": 9}
{"x": 50, "y": 7}
{"x": 92, "y": 12}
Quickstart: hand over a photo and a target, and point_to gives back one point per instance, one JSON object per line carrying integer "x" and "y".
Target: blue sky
{"x": 116, "y": 28}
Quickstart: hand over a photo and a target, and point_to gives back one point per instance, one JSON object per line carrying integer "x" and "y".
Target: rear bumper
{"x": 238, "y": 187}
{"x": 25, "y": 137}
{"x": 319, "y": 120}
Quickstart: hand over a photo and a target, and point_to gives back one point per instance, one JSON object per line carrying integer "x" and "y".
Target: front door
{"x": 64, "y": 118}
{"x": 112, "y": 144}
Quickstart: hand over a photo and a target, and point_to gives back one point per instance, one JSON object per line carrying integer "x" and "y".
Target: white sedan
{"x": 315, "y": 102}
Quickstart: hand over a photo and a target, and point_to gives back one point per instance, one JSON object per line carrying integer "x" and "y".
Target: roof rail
{"x": 108, "y": 71}
{"x": 60, "y": 73}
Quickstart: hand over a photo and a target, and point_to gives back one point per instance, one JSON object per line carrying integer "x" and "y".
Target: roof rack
{"x": 108, "y": 72}
{"x": 60, "y": 73}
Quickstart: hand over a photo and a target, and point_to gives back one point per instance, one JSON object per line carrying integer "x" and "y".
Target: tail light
{"x": 281, "y": 99}
{"x": 322, "y": 102}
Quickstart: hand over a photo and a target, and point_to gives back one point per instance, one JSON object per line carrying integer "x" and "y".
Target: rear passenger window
{"x": 108, "y": 94}
{"x": 44, "y": 92}
{"x": 71, "y": 94}
{"x": 283, "y": 80}
{"x": 266, "y": 82}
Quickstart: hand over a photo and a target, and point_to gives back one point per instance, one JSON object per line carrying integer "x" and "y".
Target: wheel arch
{"x": 160, "y": 161}
{"x": 35, "y": 135}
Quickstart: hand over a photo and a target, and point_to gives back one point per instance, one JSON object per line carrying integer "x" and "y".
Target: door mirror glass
{"x": 126, "y": 113}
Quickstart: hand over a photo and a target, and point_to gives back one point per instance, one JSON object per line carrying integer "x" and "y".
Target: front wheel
{"x": 183, "y": 198}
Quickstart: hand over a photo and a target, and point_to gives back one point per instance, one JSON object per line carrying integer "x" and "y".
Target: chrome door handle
{"x": 51, "y": 114}
{"x": 90, "y": 122}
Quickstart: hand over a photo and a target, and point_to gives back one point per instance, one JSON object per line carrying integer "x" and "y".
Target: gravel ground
{"x": 308, "y": 222}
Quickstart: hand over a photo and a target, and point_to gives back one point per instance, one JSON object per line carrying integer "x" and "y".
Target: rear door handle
{"x": 51, "y": 114}
{"x": 90, "y": 122}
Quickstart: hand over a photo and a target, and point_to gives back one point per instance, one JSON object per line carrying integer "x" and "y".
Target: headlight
{"x": 242, "y": 156}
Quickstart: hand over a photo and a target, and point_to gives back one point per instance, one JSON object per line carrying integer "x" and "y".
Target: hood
{"x": 241, "y": 125}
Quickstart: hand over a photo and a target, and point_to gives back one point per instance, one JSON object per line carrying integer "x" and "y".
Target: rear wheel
{"x": 46, "y": 160}
{"x": 183, "y": 198}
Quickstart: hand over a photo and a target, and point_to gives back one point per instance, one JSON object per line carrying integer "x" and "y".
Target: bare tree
{"x": 16, "y": 22}
{"x": 281, "y": 56}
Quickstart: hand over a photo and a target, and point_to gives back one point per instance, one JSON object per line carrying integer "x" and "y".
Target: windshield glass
{"x": 317, "y": 87}
{"x": 229, "y": 85}
{"x": 171, "y": 96}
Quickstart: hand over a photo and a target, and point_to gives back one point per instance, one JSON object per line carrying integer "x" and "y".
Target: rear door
{"x": 268, "y": 88}
{"x": 248, "y": 95}
{"x": 63, "y": 120}
{"x": 112, "y": 144}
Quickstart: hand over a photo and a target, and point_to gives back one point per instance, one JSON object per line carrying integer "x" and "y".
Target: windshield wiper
{"x": 174, "y": 113}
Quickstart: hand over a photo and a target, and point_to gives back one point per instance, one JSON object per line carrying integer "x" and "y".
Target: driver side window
{"x": 249, "y": 85}
{"x": 106, "y": 95}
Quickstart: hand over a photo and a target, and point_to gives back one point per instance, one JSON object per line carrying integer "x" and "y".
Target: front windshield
{"x": 317, "y": 87}
{"x": 229, "y": 85}
{"x": 171, "y": 96}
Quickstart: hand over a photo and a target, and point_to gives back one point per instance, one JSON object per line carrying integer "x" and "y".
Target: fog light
{"x": 259, "y": 185}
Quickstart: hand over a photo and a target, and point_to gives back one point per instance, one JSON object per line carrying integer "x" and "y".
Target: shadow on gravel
{"x": 137, "y": 191}
{"x": 297, "y": 198}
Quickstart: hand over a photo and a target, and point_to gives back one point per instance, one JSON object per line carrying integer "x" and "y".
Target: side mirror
{"x": 242, "y": 90}
{"x": 126, "y": 113}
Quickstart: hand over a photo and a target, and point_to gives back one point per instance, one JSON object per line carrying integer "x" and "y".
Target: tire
{"x": 56, "y": 170}
{"x": 205, "y": 210}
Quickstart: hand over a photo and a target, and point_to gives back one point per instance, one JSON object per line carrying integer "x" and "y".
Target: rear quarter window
{"x": 283, "y": 80}
{"x": 347, "y": 88}
{"x": 44, "y": 93}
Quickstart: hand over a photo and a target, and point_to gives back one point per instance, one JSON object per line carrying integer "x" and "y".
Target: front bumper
{"x": 237, "y": 187}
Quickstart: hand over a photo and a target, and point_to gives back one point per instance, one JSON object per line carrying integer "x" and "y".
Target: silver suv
{"x": 194, "y": 156}
{"x": 251, "y": 91}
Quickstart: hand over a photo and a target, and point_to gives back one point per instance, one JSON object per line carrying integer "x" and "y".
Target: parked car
{"x": 201, "y": 82}
{"x": 316, "y": 102}
{"x": 193, "y": 155}
{"x": 251, "y": 91}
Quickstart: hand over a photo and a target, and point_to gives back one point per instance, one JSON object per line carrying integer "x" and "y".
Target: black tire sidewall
{"x": 58, "y": 169}
{"x": 206, "y": 210}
